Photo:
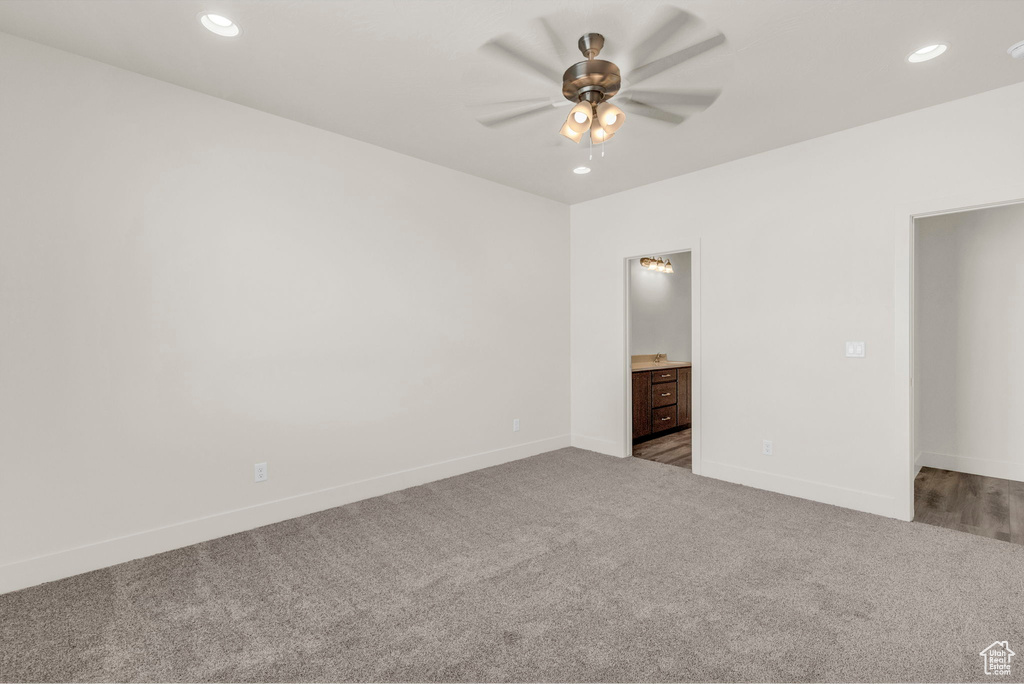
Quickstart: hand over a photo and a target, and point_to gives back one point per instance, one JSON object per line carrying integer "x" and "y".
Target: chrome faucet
{"x": 658, "y": 358}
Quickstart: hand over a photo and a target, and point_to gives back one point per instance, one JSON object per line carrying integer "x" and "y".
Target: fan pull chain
{"x": 591, "y": 149}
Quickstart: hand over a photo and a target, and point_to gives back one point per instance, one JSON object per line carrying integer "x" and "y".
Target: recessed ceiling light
{"x": 220, "y": 25}
{"x": 927, "y": 52}
{"x": 1017, "y": 51}
{"x": 580, "y": 170}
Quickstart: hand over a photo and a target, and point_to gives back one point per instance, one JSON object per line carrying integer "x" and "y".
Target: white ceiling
{"x": 403, "y": 74}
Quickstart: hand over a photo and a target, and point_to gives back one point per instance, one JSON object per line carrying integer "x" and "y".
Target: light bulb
{"x": 580, "y": 117}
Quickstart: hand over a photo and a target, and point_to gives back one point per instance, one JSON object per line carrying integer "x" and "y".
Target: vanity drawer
{"x": 663, "y": 375}
{"x": 663, "y": 418}
{"x": 663, "y": 394}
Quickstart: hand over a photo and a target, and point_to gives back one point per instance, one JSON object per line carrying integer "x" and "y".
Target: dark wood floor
{"x": 986, "y": 506}
{"x": 674, "y": 448}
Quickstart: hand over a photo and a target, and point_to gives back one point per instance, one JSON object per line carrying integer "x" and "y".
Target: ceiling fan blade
{"x": 675, "y": 19}
{"x": 501, "y": 47}
{"x": 652, "y": 112}
{"x": 502, "y": 119}
{"x": 512, "y": 103}
{"x": 556, "y": 43}
{"x": 700, "y": 99}
{"x": 518, "y": 104}
{"x": 654, "y": 68}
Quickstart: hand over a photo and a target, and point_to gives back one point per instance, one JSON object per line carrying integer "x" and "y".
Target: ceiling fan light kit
{"x": 591, "y": 83}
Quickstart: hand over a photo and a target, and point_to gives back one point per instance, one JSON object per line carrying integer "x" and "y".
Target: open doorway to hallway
{"x": 968, "y": 380}
{"x": 661, "y": 357}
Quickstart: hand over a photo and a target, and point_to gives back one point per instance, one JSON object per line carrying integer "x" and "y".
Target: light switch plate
{"x": 855, "y": 350}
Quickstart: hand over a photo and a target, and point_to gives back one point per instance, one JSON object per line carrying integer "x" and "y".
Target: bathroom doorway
{"x": 660, "y": 350}
{"x": 968, "y": 309}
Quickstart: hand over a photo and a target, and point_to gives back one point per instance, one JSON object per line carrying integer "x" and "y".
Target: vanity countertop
{"x": 650, "y": 365}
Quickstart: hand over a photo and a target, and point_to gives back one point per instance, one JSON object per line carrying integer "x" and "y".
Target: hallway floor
{"x": 674, "y": 448}
{"x": 985, "y": 506}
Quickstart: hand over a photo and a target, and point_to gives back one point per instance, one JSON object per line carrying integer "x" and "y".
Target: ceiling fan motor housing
{"x": 592, "y": 80}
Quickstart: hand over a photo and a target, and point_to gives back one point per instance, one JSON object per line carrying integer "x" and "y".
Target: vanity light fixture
{"x": 221, "y": 25}
{"x": 652, "y": 264}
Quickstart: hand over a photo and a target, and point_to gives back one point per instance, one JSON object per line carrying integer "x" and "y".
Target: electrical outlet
{"x": 855, "y": 350}
{"x": 766, "y": 447}
{"x": 515, "y": 425}
{"x": 261, "y": 472}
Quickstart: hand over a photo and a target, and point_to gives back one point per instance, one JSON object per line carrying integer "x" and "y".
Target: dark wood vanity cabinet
{"x": 661, "y": 400}
{"x": 641, "y": 409}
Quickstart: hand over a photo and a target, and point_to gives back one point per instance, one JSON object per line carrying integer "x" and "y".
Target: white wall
{"x": 659, "y": 309}
{"x": 800, "y": 249}
{"x": 188, "y": 287}
{"x": 969, "y": 381}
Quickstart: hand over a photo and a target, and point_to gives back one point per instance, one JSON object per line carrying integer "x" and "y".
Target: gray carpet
{"x": 567, "y": 566}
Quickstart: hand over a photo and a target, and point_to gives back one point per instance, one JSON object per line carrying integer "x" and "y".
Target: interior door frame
{"x": 906, "y": 217}
{"x": 695, "y": 349}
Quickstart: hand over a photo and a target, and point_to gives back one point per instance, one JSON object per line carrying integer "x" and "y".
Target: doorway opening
{"x": 661, "y": 356}
{"x": 968, "y": 389}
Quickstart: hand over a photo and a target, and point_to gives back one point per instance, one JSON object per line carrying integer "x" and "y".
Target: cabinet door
{"x": 684, "y": 390}
{"x": 641, "y": 404}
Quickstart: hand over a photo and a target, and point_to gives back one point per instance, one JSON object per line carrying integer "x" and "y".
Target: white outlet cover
{"x": 766, "y": 447}
{"x": 515, "y": 425}
{"x": 260, "y": 472}
{"x": 855, "y": 350}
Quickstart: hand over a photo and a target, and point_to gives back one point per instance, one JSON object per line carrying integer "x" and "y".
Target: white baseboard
{"x": 53, "y": 566}
{"x": 1007, "y": 470}
{"x": 867, "y": 502}
{"x": 601, "y": 446}
{"x": 917, "y": 465}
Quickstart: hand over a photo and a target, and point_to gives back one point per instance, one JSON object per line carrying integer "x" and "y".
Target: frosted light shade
{"x": 570, "y": 133}
{"x": 586, "y": 111}
{"x": 598, "y": 133}
{"x": 610, "y": 117}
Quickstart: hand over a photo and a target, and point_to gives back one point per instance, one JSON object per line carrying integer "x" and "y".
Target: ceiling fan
{"x": 589, "y": 85}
